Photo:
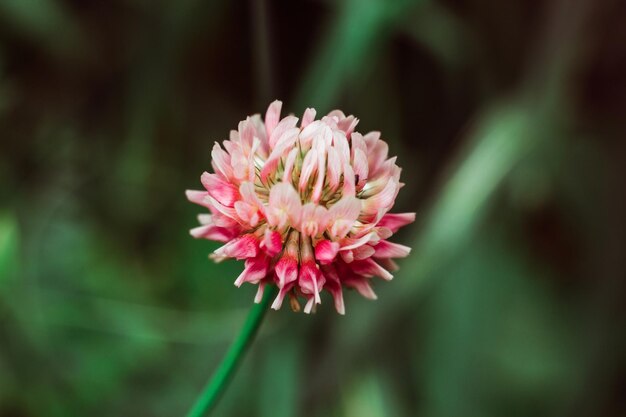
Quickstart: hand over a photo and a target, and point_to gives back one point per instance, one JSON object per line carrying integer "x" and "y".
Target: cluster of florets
{"x": 305, "y": 206}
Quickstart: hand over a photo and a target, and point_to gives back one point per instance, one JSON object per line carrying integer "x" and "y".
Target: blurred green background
{"x": 508, "y": 117}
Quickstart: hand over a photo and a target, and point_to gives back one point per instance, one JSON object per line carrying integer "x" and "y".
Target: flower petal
{"x": 246, "y": 246}
{"x": 289, "y": 164}
{"x": 310, "y": 280}
{"x": 284, "y": 144}
{"x": 255, "y": 270}
{"x": 349, "y": 185}
{"x": 272, "y": 242}
{"x": 352, "y": 243}
{"x": 272, "y": 116}
{"x": 342, "y": 216}
{"x": 284, "y": 125}
{"x": 213, "y": 232}
{"x": 382, "y": 200}
{"x": 394, "y": 221}
{"x": 326, "y": 251}
{"x": 360, "y": 167}
{"x": 369, "y": 268}
{"x": 220, "y": 160}
{"x": 333, "y": 285}
{"x": 309, "y": 167}
{"x": 259, "y": 292}
{"x": 386, "y": 249}
{"x": 307, "y": 118}
{"x": 363, "y": 252}
{"x": 313, "y": 219}
{"x": 278, "y": 301}
{"x": 286, "y": 270}
{"x": 333, "y": 173}
{"x": 284, "y": 206}
{"x": 377, "y": 156}
{"x": 197, "y": 197}
{"x": 223, "y": 191}
{"x": 362, "y": 285}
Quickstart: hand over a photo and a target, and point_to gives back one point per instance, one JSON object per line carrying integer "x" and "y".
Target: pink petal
{"x": 246, "y": 246}
{"x": 255, "y": 270}
{"x": 311, "y": 280}
{"x": 342, "y": 216}
{"x": 384, "y": 199}
{"x": 272, "y": 242}
{"x": 289, "y": 164}
{"x": 370, "y": 268}
{"x": 250, "y": 209}
{"x": 220, "y": 161}
{"x": 333, "y": 173}
{"x": 213, "y": 232}
{"x": 278, "y": 301}
{"x": 362, "y": 285}
{"x": 219, "y": 207}
{"x": 386, "y": 249}
{"x": 286, "y": 270}
{"x": 251, "y": 159}
{"x": 388, "y": 264}
{"x": 370, "y": 140}
{"x": 224, "y": 192}
{"x": 347, "y": 256}
{"x": 285, "y": 144}
{"x": 284, "y": 125}
{"x": 310, "y": 131}
{"x": 239, "y": 162}
{"x": 333, "y": 285}
{"x": 352, "y": 243}
{"x": 361, "y": 169}
{"x": 248, "y": 214}
{"x": 326, "y": 251}
{"x": 309, "y": 305}
{"x": 390, "y": 169}
{"x": 349, "y": 186}
{"x": 363, "y": 252}
{"x": 309, "y": 167}
{"x": 284, "y": 205}
{"x": 309, "y": 116}
{"x": 322, "y": 139}
{"x": 348, "y": 124}
{"x": 197, "y": 197}
{"x": 224, "y": 221}
{"x": 341, "y": 144}
{"x": 259, "y": 126}
{"x": 319, "y": 183}
{"x": 313, "y": 219}
{"x": 205, "y": 219}
{"x": 247, "y": 132}
{"x": 336, "y": 114}
{"x": 272, "y": 116}
{"x": 259, "y": 292}
{"x": 383, "y": 233}
{"x": 377, "y": 156}
{"x": 395, "y": 221}
{"x": 249, "y": 195}
{"x": 358, "y": 143}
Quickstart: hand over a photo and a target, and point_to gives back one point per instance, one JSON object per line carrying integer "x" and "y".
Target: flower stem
{"x": 213, "y": 390}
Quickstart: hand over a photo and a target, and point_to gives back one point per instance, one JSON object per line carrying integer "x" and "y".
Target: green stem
{"x": 211, "y": 393}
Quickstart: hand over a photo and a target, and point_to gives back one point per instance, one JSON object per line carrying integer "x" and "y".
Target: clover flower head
{"x": 306, "y": 207}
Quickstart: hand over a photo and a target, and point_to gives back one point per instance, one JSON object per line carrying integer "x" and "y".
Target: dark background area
{"x": 508, "y": 118}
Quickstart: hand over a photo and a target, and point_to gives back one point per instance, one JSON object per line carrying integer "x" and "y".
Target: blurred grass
{"x": 508, "y": 305}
